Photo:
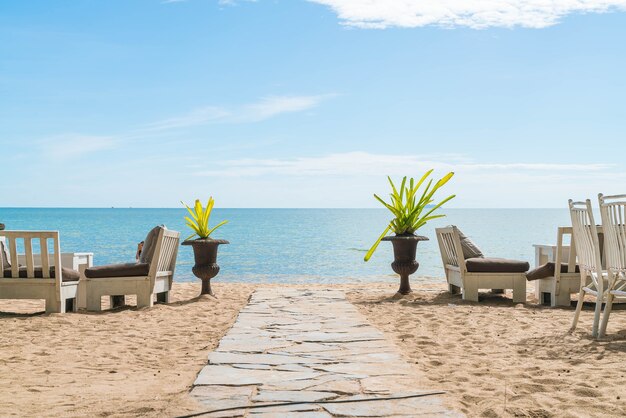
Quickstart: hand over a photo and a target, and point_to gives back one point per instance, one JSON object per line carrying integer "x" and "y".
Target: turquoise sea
{"x": 291, "y": 245}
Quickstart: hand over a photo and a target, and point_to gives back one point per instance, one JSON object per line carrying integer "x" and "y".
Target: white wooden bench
{"x": 468, "y": 283}
{"x": 158, "y": 280}
{"x": 23, "y": 283}
{"x": 557, "y": 290}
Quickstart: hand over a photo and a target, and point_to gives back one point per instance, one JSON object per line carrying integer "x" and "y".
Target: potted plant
{"x": 204, "y": 247}
{"x": 411, "y": 212}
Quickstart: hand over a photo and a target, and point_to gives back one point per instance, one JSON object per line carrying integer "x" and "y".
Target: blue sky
{"x": 309, "y": 103}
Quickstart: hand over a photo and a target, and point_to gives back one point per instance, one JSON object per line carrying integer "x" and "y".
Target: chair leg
{"x": 519, "y": 290}
{"x": 54, "y": 306}
{"x": 605, "y": 317}
{"x": 144, "y": 300}
{"x": 470, "y": 291}
{"x": 93, "y": 302}
{"x": 562, "y": 299}
{"x": 596, "y": 316}
{"x": 455, "y": 290}
{"x": 579, "y": 307}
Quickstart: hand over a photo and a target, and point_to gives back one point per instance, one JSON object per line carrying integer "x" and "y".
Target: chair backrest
{"x": 585, "y": 236}
{"x": 48, "y": 260}
{"x": 165, "y": 253}
{"x": 613, "y": 212}
{"x": 450, "y": 248}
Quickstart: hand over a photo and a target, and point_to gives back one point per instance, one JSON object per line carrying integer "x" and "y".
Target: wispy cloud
{"x": 367, "y": 164}
{"x": 477, "y": 14}
{"x": 70, "y": 146}
{"x": 261, "y": 110}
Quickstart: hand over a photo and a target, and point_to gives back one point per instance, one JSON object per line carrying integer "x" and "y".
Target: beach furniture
{"x": 153, "y": 274}
{"x": 554, "y": 286}
{"x": 592, "y": 277}
{"x": 613, "y": 212}
{"x": 468, "y": 270}
{"x": 47, "y": 280}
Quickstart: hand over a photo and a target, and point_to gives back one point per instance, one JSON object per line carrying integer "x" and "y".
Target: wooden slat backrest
{"x": 165, "y": 254}
{"x": 27, "y": 237}
{"x": 613, "y": 212}
{"x": 585, "y": 237}
{"x": 450, "y": 247}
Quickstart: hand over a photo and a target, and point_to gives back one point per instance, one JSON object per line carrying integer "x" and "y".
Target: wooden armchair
{"x": 49, "y": 281}
{"x": 471, "y": 274}
{"x": 142, "y": 279}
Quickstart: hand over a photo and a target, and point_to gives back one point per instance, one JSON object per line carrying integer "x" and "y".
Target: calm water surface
{"x": 291, "y": 245}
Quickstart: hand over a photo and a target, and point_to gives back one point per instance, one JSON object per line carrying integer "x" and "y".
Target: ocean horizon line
{"x": 267, "y": 208}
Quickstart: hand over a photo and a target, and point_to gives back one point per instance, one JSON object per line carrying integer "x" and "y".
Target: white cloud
{"x": 263, "y": 109}
{"x": 477, "y": 14}
{"x": 349, "y": 179}
{"x": 367, "y": 164}
{"x": 69, "y": 146}
{"x": 200, "y": 116}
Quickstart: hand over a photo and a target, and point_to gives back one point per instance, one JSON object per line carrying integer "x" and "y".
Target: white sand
{"x": 493, "y": 358}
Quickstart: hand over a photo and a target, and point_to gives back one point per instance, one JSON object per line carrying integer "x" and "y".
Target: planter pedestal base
{"x": 205, "y": 257}
{"x": 404, "y": 264}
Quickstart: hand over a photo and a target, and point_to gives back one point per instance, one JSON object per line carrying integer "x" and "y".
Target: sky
{"x": 310, "y": 103}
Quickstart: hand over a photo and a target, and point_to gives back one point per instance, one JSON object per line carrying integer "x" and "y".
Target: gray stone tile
{"x": 264, "y": 395}
{"x": 299, "y": 345}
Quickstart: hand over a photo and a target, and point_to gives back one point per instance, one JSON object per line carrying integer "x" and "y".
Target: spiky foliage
{"x": 199, "y": 221}
{"x": 409, "y": 208}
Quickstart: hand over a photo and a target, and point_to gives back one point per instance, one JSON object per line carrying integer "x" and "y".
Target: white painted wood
{"x": 613, "y": 212}
{"x": 557, "y": 288}
{"x": 52, "y": 290}
{"x": 158, "y": 281}
{"x": 585, "y": 237}
{"x": 470, "y": 283}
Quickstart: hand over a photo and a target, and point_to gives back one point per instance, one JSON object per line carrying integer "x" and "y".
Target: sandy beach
{"x": 499, "y": 359}
{"x": 124, "y": 363}
{"x": 492, "y": 358}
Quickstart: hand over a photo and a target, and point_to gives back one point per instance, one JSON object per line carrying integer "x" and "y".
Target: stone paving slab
{"x": 297, "y": 345}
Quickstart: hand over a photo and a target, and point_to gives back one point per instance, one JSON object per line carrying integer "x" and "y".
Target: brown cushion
{"x": 496, "y": 265}
{"x": 149, "y": 245}
{"x": 470, "y": 250}
{"x": 68, "y": 275}
{"x": 118, "y": 270}
{"x": 547, "y": 270}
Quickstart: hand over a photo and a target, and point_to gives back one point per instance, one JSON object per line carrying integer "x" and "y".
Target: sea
{"x": 292, "y": 245}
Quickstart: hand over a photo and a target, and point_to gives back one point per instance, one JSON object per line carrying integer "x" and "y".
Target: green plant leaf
{"x": 371, "y": 250}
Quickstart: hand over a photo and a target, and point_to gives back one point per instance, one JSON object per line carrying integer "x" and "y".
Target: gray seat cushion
{"x": 118, "y": 270}
{"x": 469, "y": 248}
{"x": 496, "y": 265}
{"x": 68, "y": 275}
{"x": 149, "y": 245}
{"x": 547, "y": 270}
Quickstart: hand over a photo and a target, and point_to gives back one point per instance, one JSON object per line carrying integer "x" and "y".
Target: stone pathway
{"x": 294, "y": 345}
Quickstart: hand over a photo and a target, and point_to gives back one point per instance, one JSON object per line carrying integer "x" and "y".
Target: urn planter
{"x": 404, "y": 263}
{"x": 205, "y": 257}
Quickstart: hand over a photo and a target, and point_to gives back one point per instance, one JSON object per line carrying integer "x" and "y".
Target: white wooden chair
{"x": 613, "y": 212}
{"x": 558, "y": 288}
{"x": 592, "y": 277}
{"x": 39, "y": 282}
{"x": 158, "y": 280}
{"x": 460, "y": 280}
